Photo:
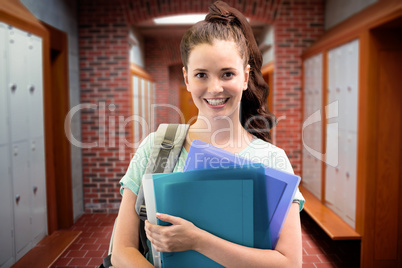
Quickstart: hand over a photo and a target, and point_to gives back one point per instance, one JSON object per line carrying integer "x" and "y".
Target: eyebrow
{"x": 223, "y": 69}
{"x": 200, "y": 70}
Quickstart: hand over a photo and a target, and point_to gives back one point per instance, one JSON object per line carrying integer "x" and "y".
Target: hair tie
{"x": 218, "y": 12}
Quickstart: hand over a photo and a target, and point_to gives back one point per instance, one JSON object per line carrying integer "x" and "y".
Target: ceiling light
{"x": 180, "y": 19}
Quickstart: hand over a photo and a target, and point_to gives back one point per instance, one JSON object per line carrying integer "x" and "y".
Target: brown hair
{"x": 226, "y": 23}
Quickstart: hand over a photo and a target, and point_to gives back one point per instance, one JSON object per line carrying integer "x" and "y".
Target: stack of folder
{"x": 224, "y": 194}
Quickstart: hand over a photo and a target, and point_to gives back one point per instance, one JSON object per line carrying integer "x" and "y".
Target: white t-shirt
{"x": 258, "y": 151}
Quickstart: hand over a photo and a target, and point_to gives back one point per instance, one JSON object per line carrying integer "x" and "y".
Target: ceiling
{"x": 150, "y": 29}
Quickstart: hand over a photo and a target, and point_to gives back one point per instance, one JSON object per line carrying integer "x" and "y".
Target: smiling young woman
{"x": 222, "y": 71}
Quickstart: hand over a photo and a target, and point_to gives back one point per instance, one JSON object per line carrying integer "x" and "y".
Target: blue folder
{"x": 281, "y": 186}
{"x": 220, "y": 201}
{"x": 209, "y": 192}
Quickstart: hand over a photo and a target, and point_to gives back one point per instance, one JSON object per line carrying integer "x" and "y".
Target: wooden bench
{"x": 331, "y": 223}
{"x": 48, "y": 250}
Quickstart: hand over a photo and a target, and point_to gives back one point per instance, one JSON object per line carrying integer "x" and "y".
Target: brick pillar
{"x": 160, "y": 55}
{"x": 105, "y": 102}
{"x": 297, "y": 26}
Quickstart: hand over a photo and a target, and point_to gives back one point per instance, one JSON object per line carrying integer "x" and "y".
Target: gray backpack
{"x": 168, "y": 143}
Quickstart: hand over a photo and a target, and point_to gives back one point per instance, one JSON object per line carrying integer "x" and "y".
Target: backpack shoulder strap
{"x": 168, "y": 143}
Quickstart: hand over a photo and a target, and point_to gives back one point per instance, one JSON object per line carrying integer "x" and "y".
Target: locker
{"x": 340, "y": 89}
{"x": 330, "y": 186}
{"x": 343, "y": 87}
{"x": 341, "y": 201}
{"x": 331, "y": 153}
{"x": 351, "y": 78}
{"x": 22, "y": 154}
{"x": 17, "y": 84}
{"x": 34, "y": 86}
{"x": 4, "y": 135}
{"x": 349, "y": 175}
{"x": 22, "y": 197}
{"x": 38, "y": 189}
{"x": 307, "y": 171}
{"x": 331, "y": 77}
{"x": 6, "y": 209}
{"x": 312, "y": 132}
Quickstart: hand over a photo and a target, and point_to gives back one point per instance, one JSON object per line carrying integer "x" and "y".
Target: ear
{"x": 185, "y": 76}
{"x": 246, "y": 76}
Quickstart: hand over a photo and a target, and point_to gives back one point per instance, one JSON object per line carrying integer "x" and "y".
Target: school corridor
{"x": 83, "y": 82}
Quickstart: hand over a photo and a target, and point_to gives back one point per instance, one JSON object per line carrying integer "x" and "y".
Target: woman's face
{"x": 216, "y": 78}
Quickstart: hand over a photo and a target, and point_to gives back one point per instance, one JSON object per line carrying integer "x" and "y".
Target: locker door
{"x": 341, "y": 201}
{"x": 17, "y": 84}
{"x": 350, "y": 168}
{"x": 317, "y": 127}
{"x": 35, "y": 86}
{"x": 6, "y": 199}
{"x": 351, "y": 80}
{"x": 312, "y": 132}
{"x": 332, "y": 131}
{"x": 6, "y": 209}
{"x": 331, "y": 77}
{"x": 36, "y": 149}
{"x": 22, "y": 197}
{"x": 351, "y": 95}
{"x": 331, "y": 172}
{"x": 340, "y": 89}
{"x": 4, "y": 134}
{"x": 307, "y": 133}
{"x": 38, "y": 189}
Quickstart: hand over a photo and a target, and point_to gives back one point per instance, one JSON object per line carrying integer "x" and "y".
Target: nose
{"x": 215, "y": 86}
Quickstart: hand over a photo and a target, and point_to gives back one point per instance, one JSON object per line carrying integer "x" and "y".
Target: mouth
{"x": 216, "y": 102}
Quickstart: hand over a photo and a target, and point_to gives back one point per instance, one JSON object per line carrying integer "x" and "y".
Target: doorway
{"x": 385, "y": 230}
{"x": 62, "y": 198}
{"x": 187, "y": 106}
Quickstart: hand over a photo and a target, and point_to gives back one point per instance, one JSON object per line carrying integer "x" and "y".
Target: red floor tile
{"x": 76, "y": 253}
{"x": 79, "y": 262}
{"x": 308, "y": 265}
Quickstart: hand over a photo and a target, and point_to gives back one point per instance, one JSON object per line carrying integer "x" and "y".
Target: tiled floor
{"x": 318, "y": 249}
{"x": 321, "y": 251}
{"x": 93, "y": 243}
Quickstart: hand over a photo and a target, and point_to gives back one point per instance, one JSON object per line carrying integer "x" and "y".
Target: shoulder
{"x": 261, "y": 147}
{"x": 146, "y": 144}
{"x": 269, "y": 155}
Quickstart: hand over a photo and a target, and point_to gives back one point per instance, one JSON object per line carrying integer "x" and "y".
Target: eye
{"x": 228, "y": 75}
{"x": 201, "y": 75}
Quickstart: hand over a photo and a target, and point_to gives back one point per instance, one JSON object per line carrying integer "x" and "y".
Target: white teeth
{"x": 216, "y": 101}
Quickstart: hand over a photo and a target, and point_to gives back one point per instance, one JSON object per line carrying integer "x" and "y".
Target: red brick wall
{"x": 298, "y": 25}
{"x": 160, "y": 55}
{"x": 104, "y": 76}
{"x": 104, "y": 72}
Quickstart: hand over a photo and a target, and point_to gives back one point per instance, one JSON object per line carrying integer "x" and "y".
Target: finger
{"x": 169, "y": 218}
{"x": 152, "y": 230}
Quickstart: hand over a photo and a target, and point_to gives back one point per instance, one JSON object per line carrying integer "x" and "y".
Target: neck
{"x": 225, "y": 133}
